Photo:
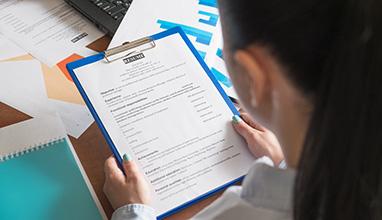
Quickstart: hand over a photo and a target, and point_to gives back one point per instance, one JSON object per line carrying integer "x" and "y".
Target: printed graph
{"x": 203, "y": 37}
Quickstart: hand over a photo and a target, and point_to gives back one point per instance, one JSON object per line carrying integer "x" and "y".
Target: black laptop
{"x": 106, "y": 14}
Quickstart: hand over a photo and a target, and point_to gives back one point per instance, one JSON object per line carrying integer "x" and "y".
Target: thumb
{"x": 129, "y": 166}
{"x": 242, "y": 127}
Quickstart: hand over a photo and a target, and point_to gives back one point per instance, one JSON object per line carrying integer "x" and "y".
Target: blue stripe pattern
{"x": 219, "y": 53}
{"x": 203, "y": 37}
{"x": 202, "y": 54}
{"x": 223, "y": 79}
{"x": 211, "y": 3}
{"x": 213, "y": 18}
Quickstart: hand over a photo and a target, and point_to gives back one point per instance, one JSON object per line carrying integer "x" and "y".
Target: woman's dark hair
{"x": 332, "y": 51}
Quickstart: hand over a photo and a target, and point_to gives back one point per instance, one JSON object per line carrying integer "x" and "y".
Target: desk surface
{"x": 92, "y": 150}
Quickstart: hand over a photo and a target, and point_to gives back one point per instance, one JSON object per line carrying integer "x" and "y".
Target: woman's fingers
{"x": 261, "y": 142}
{"x": 112, "y": 171}
{"x": 123, "y": 189}
{"x": 242, "y": 128}
{"x": 249, "y": 120}
{"x": 129, "y": 166}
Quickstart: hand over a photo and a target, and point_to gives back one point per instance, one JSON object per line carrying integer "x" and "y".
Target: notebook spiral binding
{"x": 31, "y": 148}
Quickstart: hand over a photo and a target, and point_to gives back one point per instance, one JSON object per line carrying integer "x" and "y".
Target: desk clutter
{"x": 37, "y": 40}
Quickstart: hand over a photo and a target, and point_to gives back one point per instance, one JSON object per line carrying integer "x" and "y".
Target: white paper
{"x": 22, "y": 87}
{"x": 76, "y": 118}
{"x": 8, "y": 49}
{"x": 50, "y": 30}
{"x": 201, "y": 23}
{"x": 162, "y": 108}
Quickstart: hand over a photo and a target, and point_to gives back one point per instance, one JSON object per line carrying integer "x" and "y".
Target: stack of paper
{"x": 9, "y": 49}
{"x": 55, "y": 34}
{"x": 50, "y": 30}
{"x": 23, "y": 87}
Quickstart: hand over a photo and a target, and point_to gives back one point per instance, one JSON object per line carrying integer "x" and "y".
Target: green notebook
{"x": 44, "y": 181}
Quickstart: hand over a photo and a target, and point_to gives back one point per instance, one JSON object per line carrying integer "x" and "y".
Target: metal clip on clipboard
{"x": 129, "y": 48}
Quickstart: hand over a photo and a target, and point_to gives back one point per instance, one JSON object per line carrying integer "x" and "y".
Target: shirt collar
{"x": 269, "y": 187}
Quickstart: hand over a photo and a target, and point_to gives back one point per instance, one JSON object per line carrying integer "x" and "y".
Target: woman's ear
{"x": 258, "y": 79}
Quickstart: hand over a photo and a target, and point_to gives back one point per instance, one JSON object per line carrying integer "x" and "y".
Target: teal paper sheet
{"x": 45, "y": 184}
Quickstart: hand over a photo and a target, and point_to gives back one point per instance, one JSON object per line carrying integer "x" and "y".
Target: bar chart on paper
{"x": 199, "y": 19}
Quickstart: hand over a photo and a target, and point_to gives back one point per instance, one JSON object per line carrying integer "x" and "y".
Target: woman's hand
{"x": 261, "y": 141}
{"x": 122, "y": 190}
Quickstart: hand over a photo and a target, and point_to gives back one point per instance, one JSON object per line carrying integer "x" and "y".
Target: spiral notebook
{"x": 41, "y": 176}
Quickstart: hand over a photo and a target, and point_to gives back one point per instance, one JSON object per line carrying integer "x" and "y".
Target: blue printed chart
{"x": 198, "y": 18}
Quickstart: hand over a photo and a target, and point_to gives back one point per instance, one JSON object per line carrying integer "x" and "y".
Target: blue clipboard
{"x": 100, "y": 56}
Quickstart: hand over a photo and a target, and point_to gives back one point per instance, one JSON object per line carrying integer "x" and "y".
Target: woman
{"x": 310, "y": 71}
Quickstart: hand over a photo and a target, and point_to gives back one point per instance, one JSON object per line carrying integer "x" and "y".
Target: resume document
{"x": 162, "y": 108}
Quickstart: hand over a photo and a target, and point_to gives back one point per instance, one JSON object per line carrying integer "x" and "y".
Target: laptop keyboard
{"x": 115, "y": 8}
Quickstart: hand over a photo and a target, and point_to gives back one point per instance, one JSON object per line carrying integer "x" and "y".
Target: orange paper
{"x": 62, "y": 65}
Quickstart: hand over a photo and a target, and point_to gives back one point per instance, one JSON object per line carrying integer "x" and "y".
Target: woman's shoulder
{"x": 269, "y": 187}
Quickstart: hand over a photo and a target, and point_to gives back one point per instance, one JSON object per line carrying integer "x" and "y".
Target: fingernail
{"x": 236, "y": 119}
{"x": 126, "y": 158}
